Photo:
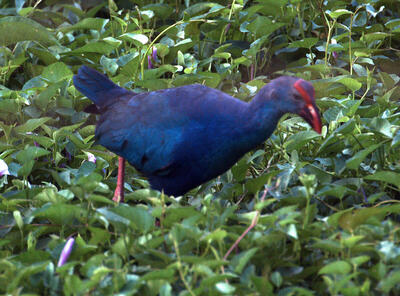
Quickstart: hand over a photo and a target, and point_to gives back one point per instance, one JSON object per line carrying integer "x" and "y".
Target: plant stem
{"x": 253, "y": 223}
{"x": 229, "y": 18}
{"x": 182, "y": 276}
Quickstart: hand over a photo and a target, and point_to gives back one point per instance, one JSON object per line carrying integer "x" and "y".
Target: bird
{"x": 182, "y": 137}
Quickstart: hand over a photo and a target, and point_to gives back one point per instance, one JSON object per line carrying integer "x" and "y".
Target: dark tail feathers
{"x": 96, "y": 86}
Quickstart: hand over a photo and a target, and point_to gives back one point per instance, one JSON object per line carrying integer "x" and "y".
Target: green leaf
{"x": 338, "y": 12}
{"x": 389, "y": 282}
{"x": 16, "y": 28}
{"x": 256, "y": 184}
{"x": 174, "y": 215}
{"x": 304, "y": 43}
{"x": 18, "y": 219}
{"x": 355, "y": 161}
{"x": 263, "y": 26}
{"x": 396, "y": 140}
{"x": 30, "y": 153}
{"x": 381, "y": 125}
{"x": 163, "y": 274}
{"x": 24, "y": 274}
{"x": 386, "y": 177}
{"x": 87, "y": 23}
{"x": 110, "y": 65}
{"x": 161, "y": 10}
{"x": 217, "y": 235}
{"x": 31, "y": 125}
{"x": 101, "y": 47}
{"x": 389, "y": 249}
{"x": 359, "y": 260}
{"x": 112, "y": 41}
{"x": 45, "y": 96}
{"x": 137, "y": 39}
{"x": 56, "y": 72}
{"x": 239, "y": 170}
{"x": 198, "y": 8}
{"x": 351, "y": 83}
{"x": 61, "y": 214}
{"x": 337, "y": 267}
{"x": 352, "y": 219}
{"x": 221, "y": 55}
{"x": 86, "y": 169}
{"x": 225, "y": 288}
{"x": 135, "y": 217}
{"x": 298, "y": 140}
{"x": 210, "y": 79}
{"x": 276, "y": 279}
{"x": 371, "y": 37}
{"x": 26, "y": 168}
{"x": 239, "y": 261}
{"x": 9, "y": 106}
{"x": 347, "y": 127}
{"x": 393, "y": 23}
{"x": 262, "y": 285}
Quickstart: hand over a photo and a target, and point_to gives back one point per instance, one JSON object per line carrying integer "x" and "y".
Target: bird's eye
{"x": 298, "y": 97}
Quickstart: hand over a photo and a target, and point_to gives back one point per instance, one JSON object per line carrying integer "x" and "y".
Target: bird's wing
{"x": 150, "y": 129}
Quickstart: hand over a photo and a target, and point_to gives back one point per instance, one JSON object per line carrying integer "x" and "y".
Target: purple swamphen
{"x": 182, "y": 137}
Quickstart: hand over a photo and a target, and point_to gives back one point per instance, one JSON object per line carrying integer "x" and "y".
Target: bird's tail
{"x": 96, "y": 86}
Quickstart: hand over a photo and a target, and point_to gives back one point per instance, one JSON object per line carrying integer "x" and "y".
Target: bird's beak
{"x": 310, "y": 114}
{"x": 310, "y": 111}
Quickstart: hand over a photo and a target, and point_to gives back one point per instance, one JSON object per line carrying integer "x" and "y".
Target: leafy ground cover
{"x": 329, "y": 222}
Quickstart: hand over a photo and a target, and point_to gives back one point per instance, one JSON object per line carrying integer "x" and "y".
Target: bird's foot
{"x": 118, "y": 195}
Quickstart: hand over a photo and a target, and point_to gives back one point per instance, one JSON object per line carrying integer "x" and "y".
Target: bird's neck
{"x": 263, "y": 116}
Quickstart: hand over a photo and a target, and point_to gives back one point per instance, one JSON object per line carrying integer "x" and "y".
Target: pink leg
{"x": 119, "y": 191}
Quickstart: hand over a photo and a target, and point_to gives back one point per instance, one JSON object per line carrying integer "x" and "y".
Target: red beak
{"x": 310, "y": 111}
{"x": 310, "y": 114}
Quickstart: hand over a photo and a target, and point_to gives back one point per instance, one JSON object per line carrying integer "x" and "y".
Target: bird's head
{"x": 294, "y": 95}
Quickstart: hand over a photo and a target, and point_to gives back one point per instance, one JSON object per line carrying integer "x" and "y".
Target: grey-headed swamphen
{"x": 182, "y": 137}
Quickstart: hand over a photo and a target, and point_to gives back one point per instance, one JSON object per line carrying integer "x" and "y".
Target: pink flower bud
{"x": 66, "y": 252}
{"x": 3, "y": 168}
{"x": 154, "y": 53}
{"x": 334, "y": 53}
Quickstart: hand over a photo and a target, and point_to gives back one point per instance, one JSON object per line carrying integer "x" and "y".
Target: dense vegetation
{"x": 329, "y": 222}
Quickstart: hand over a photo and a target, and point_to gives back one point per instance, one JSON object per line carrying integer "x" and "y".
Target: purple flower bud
{"x": 68, "y": 155}
{"x": 36, "y": 144}
{"x": 3, "y": 168}
{"x": 252, "y": 74}
{"x": 66, "y": 252}
{"x": 227, "y": 28}
{"x": 150, "y": 65}
{"x": 154, "y": 54}
{"x": 91, "y": 157}
{"x": 334, "y": 53}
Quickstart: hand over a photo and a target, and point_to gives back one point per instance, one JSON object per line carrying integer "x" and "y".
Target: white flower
{"x": 91, "y": 157}
{"x": 3, "y": 168}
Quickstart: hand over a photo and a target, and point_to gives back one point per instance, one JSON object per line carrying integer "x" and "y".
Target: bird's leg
{"x": 119, "y": 191}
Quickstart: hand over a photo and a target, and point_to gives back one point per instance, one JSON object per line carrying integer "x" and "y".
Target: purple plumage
{"x": 182, "y": 137}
